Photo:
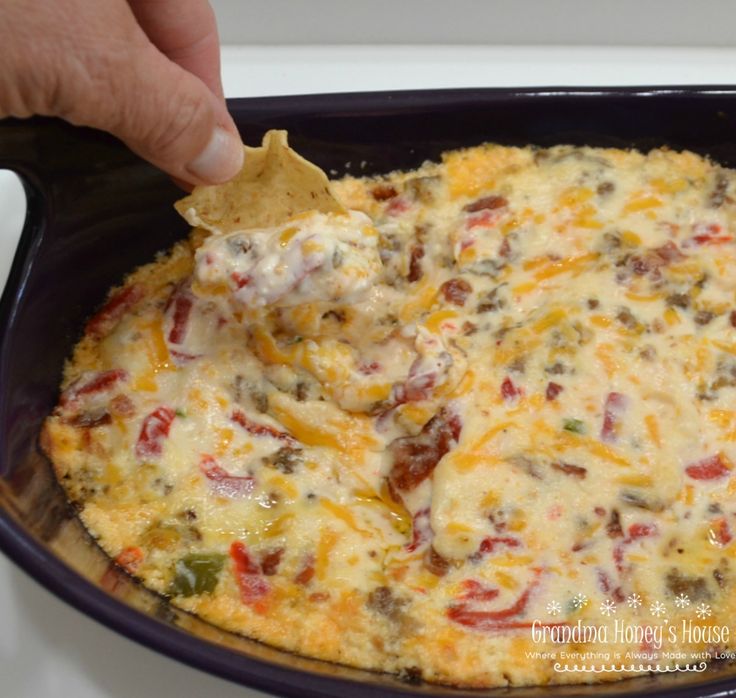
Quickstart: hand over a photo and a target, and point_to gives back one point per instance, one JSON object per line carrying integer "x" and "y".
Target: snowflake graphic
{"x": 633, "y": 600}
{"x": 658, "y": 609}
{"x": 554, "y": 608}
{"x": 682, "y": 601}
{"x": 579, "y": 601}
{"x": 608, "y": 607}
{"x": 703, "y": 611}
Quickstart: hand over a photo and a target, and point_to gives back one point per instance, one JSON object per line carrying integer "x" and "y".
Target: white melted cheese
{"x": 315, "y": 256}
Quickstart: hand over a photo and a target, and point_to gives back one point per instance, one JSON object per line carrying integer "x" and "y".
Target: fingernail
{"x": 221, "y": 159}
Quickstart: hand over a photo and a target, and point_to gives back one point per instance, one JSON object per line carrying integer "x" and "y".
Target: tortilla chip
{"x": 275, "y": 184}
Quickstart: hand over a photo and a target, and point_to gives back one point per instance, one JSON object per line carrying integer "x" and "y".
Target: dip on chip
{"x": 449, "y": 423}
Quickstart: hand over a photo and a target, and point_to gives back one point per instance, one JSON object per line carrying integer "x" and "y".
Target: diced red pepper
{"x": 710, "y": 234}
{"x": 130, "y": 558}
{"x": 720, "y": 532}
{"x": 613, "y": 411}
{"x": 421, "y": 531}
{"x": 711, "y": 468}
{"x": 98, "y": 383}
{"x": 240, "y": 280}
{"x": 489, "y": 544}
{"x": 397, "y": 205}
{"x": 253, "y": 587}
{"x": 553, "y": 390}
{"x": 637, "y": 531}
{"x": 467, "y": 613}
{"x": 240, "y": 418}
{"x": 486, "y": 218}
{"x": 477, "y": 591}
{"x": 182, "y": 309}
{"x": 104, "y": 321}
{"x": 509, "y": 391}
{"x": 223, "y": 483}
{"x": 154, "y": 431}
{"x": 642, "y": 530}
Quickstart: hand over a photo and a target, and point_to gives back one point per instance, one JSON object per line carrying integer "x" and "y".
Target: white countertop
{"x": 49, "y": 650}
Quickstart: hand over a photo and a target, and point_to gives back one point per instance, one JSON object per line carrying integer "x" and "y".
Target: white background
{"x": 50, "y": 650}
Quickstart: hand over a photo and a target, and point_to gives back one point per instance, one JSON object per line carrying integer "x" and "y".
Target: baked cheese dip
{"x": 473, "y": 424}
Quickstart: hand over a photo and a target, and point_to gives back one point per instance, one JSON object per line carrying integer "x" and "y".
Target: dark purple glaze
{"x": 95, "y": 212}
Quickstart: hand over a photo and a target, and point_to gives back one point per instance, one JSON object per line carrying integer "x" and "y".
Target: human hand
{"x": 147, "y": 71}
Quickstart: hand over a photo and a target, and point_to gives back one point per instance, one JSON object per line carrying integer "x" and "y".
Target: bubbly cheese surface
{"x": 493, "y": 403}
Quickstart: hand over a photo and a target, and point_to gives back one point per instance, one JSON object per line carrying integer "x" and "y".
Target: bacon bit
{"x": 553, "y": 390}
{"x": 599, "y": 511}
{"x": 154, "y": 430}
{"x": 615, "y": 406}
{"x": 248, "y": 576}
{"x": 122, "y": 406}
{"x": 613, "y": 527}
{"x": 435, "y": 563}
{"x": 456, "y": 291}
{"x": 307, "y": 571}
{"x": 383, "y": 192}
{"x": 415, "y": 263}
{"x": 477, "y": 591}
{"x": 483, "y": 219}
{"x": 569, "y": 469}
{"x": 710, "y": 468}
{"x": 105, "y": 320}
{"x": 98, "y": 383}
{"x": 271, "y": 560}
{"x": 369, "y": 369}
{"x": 421, "y": 531}
{"x": 466, "y": 613}
{"x": 182, "y": 304}
{"x": 732, "y": 318}
{"x": 606, "y": 585}
{"x": 240, "y": 280}
{"x": 397, "y": 205}
{"x": 485, "y": 203}
{"x": 720, "y": 533}
{"x": 223, "y": 483}
{"x": 89, "y": 420}
{"x": 256, "y": 429}
{"x": 415, "y": 457}
{"x": 656, "y": 258}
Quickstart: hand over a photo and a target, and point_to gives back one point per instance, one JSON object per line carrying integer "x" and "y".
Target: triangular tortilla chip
{"x": 274, "y": 184}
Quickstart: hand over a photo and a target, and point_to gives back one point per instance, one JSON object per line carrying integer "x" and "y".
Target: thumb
{"x": 169, "y": 117}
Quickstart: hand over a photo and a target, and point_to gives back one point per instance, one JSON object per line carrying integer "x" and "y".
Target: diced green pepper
{"x": 576, "y": 426}
{"x": 196, "y": 573}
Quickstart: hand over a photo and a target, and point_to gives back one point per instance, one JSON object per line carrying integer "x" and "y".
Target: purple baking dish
{"x": 95, "y": 211}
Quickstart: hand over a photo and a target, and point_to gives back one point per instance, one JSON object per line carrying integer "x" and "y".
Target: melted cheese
{"x": 511, "y": 373}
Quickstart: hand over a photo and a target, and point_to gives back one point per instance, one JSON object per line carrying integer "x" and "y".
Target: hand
{"x": 147, "y": 71}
